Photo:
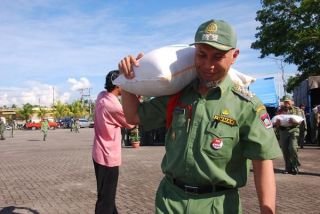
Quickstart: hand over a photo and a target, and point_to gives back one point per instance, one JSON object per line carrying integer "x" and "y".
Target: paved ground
{"x": 57, "y": 177}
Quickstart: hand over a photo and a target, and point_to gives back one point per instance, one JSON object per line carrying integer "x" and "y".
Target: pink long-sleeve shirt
{"x": 108, "y": 120}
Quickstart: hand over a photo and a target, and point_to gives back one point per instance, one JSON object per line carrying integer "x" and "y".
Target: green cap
{"x": 286, "y": 98}
{"x": 216, "y": 33}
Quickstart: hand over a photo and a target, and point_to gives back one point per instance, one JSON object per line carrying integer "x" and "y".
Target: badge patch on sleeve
{"x": 265, "y": 119}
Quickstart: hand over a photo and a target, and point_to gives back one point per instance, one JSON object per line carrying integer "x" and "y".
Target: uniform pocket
{"x": 219, "y": 140}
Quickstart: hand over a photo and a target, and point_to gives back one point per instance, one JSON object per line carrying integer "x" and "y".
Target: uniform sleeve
{"x": 152, "y": 113}
{"x": 257, "y": 134}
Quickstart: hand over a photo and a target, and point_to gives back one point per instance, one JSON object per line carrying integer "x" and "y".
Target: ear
{"x": 235, "y": 54}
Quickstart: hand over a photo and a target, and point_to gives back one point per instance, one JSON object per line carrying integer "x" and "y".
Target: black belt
{"x": 198, "y": 189}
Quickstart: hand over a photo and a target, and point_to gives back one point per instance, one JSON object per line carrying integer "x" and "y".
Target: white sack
{"x": 240, "y": 78}
{"x": 284, "y": 119}
{"x": 167, "y": 70}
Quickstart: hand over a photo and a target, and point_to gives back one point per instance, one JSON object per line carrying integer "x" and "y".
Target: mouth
{"x": 209, "y": 74}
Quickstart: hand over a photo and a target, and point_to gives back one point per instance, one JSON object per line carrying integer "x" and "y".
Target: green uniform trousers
{"x": 289, "y": 145}
{"x": 172, "y": 199}
{"x": 45, "y": 134}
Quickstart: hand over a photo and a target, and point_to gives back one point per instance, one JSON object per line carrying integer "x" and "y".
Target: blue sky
{"x": 52, "y": 48}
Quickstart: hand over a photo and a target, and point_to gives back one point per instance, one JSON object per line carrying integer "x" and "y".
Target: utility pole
{"x": 52, "y": 96}
{"x": 85, "y": 94}
{"x": 281, "y": 66}
{"x": 282, "y": 76}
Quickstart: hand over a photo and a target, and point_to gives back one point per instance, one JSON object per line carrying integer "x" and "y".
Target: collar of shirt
{"x": 223, "y": 86}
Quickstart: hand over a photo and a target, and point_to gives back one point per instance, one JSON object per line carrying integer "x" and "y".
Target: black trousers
{"x": 107, "y": 181}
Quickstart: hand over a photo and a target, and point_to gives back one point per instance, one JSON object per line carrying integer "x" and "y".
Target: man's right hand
{"x": 277, "y": 123}
{"x": 125, "y": 65}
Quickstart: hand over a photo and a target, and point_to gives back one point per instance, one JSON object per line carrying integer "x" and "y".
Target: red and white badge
{"x": 217, "y": 143}
{"x": 265, "y": 119}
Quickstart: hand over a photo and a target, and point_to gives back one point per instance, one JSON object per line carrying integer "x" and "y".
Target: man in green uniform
{"x": 44, "y": 129}
{"x": 214, "y": 127}
{"x": 315, "y": 125}
{"x": 302, "y": 127}
{"x": 2, "y": 129}
{"x": 289, "y": 136}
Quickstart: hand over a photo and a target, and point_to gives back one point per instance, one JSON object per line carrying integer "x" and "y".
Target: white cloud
{"x": 35, "y": 93}
{"x": 83, "y": 83}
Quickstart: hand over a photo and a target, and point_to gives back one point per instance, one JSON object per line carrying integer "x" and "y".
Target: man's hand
{"x": 277, "y": 123}
{"x": 293, "y": 122}
{"x": 125, "y": 65}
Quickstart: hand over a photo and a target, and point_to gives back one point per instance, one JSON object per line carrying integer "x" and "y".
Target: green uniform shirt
{"x": 2, "y": 127}
{"x": 211, "y": 142}
{"x": 44, "y": 126}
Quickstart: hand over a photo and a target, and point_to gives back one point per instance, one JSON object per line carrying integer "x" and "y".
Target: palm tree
{"x": 42, "y": 113}
{"x": 77, "y": 109}
{"x": 61, "y": 110}
{"x": 26, "y": 111}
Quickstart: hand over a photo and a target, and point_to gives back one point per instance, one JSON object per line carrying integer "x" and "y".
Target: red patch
{"x": 265, "y": 119}
{"x": 217, "y": 143}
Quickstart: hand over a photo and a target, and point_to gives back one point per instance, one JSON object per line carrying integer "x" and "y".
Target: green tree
{"x": 77, "y": 109}
{"x": 42, "y": 113}
{"x": 26, "y": 111}
{"x": 61, "y": 110}
{"x": 290, "y": 29}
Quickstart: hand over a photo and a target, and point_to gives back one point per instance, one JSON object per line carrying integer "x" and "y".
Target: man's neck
{"x": 115, "y": 92}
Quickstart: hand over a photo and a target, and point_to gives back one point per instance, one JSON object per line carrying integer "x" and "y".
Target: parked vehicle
{"x": 84, "y": 123}
{"x": 37, "y": 125}
{"x": 65, "y": 122}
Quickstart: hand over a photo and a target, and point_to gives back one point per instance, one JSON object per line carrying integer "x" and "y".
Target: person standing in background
{"x": 2, "y": 129}
{"x": 106, "y": 152}
{"x": 302, "y": 127}
{"x": 315, "y": 125}
{"x": 76, "y": 125}
{"x": 44, "y": 128}
{"x": 289, "y": 136}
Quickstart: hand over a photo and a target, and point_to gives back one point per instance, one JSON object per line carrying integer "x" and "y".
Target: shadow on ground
{"x": 17, "y": 210}
{"x": 280, "y": 171}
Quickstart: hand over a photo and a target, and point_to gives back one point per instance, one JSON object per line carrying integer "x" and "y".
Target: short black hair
{"x": 112, "y": 75}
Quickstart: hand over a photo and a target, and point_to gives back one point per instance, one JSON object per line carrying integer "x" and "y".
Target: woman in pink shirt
{"x": 106, "y": 151}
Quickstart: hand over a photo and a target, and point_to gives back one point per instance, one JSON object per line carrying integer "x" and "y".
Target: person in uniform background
{"x": 106, "y": 151}
{"x": 214, "y": 129}
{"x": 76, "y": 125}
{"x": 302, "y": 127}
{"x": 289, "y": 136}
{"x": 44, "y": 128}
{"x": 72, "y": 124}
{"x": 315, "y": 125}
{"x": 13, "y": 126}
{"x": 2, "y": 129}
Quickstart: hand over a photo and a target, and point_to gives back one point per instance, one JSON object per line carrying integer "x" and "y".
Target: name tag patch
{"x": 225, "y": 119}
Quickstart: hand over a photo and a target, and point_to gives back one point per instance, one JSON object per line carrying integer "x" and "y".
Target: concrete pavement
{"x": 57, "y": 177}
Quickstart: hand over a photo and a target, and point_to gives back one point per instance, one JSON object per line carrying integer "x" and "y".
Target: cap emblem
{"x": 211, "y": 28}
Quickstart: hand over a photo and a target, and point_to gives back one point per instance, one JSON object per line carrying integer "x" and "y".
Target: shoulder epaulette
{"x": 243, "y": 92}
